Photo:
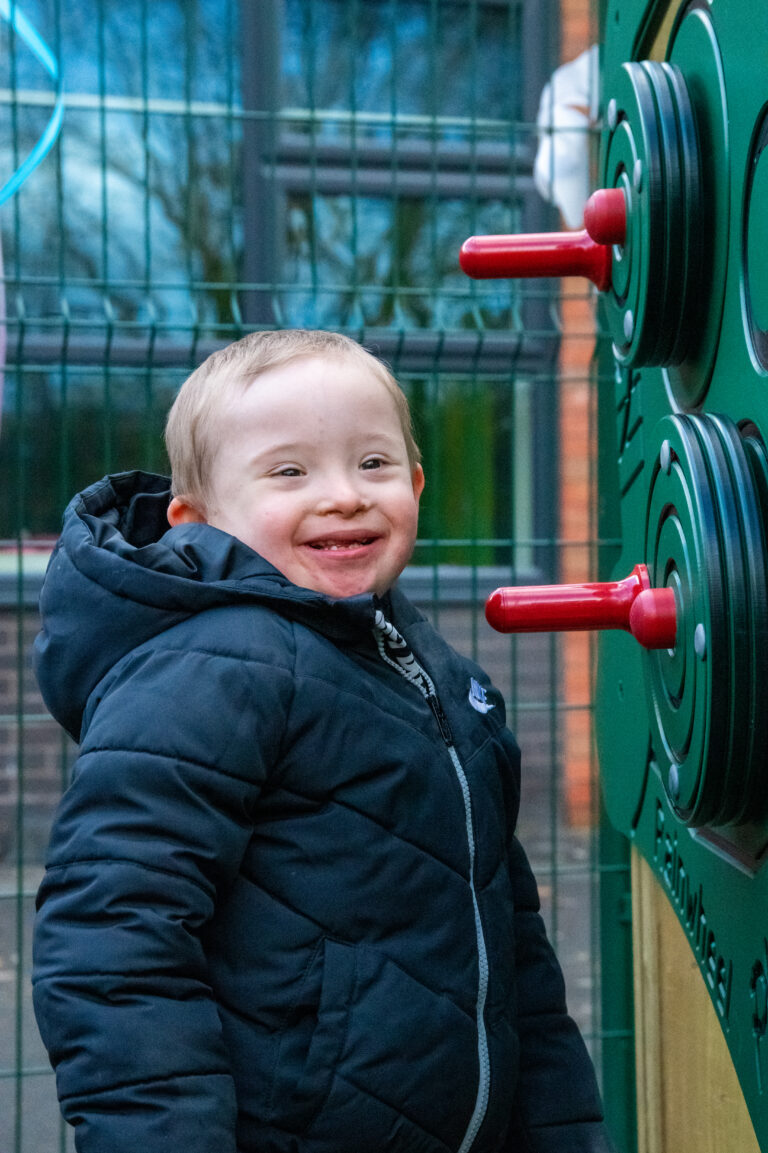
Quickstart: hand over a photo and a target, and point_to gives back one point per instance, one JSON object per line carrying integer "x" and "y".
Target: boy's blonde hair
{"x": 190, "y": 431}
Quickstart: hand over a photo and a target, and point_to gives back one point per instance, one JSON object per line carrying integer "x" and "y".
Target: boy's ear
{"x": 417, "y": 479}
{"x": 182, "y": 511}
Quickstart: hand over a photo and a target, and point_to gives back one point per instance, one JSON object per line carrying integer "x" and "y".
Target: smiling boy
{"x": 284, "y": 908}
{"x": 317, "y": 476}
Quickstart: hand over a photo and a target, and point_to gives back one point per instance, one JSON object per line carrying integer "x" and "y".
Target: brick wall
{"x": 577, "y": 469}
{"x": 577, "y": 27}
{"x": 34, "y": 754}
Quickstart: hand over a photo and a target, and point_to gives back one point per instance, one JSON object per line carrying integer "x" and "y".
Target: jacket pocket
{"x": 408, "y": 1065}
{"x": 313, "y": 1037}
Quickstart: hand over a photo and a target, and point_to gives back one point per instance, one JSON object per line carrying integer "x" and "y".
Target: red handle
{"x": 649, "y": 614}
{"x": 554, "y": 253}
{"x": 537, "y": 254}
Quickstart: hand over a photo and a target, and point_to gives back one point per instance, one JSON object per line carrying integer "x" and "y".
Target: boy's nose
{"x": 344, "y": 496}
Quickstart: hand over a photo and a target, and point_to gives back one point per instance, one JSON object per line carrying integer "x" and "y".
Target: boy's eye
{"x": 373, "y": 462}
{"x": 290, "y": 470}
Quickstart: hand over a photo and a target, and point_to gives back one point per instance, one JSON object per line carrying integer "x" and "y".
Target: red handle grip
{"x": 586, "y": 253}
{"x": 649, "y": 614}
{"x": 537, "y": 254}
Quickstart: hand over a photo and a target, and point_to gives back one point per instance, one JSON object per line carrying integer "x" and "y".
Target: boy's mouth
{"x": 337, "y": 545}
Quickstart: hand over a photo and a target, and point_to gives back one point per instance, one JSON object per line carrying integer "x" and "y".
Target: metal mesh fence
{"x": 223, "y": 167}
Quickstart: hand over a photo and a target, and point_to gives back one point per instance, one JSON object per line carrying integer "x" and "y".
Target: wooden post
{"x": 688, "y": 1097}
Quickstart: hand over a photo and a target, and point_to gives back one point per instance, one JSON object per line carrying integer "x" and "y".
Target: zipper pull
{"x": 441, "y": 718}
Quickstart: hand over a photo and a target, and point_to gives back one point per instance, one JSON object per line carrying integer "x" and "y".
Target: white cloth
{"x": 567, "y": 112}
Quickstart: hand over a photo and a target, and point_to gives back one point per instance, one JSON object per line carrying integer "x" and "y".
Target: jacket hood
{"x": 119, "y": 576}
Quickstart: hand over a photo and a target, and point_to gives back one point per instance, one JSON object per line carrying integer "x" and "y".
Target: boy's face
{"x": 312, "y": 472}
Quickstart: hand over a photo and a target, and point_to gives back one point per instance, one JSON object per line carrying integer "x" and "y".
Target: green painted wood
{"x": 682, "y": 742}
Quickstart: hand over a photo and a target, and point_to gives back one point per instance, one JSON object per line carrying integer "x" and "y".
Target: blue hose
{"x": 10, "y": 12}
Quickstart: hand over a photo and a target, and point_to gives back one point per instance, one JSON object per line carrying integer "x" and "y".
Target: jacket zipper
{"x": 409, "y": 668}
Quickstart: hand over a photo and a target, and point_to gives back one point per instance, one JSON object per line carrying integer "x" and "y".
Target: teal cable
{"x": 24, "y": 30}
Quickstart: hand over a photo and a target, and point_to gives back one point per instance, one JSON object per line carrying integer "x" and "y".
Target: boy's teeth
{"x": 330, "y": 544}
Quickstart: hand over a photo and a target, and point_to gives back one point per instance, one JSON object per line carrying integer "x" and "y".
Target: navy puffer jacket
{"x": 284, "y": 910}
